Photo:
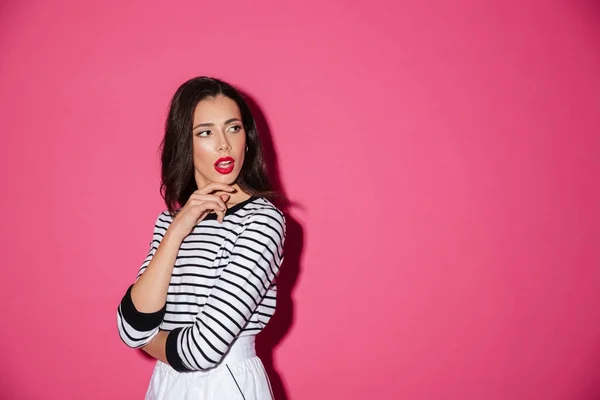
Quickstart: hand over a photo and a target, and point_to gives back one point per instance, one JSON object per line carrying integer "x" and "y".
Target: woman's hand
{"x": 199, "y": 205}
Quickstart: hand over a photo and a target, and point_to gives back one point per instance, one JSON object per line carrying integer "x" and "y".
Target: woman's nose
{"x": 224, "y": 145}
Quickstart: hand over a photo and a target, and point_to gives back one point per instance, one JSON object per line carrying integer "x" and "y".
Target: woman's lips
{"x": 225, "y": 165}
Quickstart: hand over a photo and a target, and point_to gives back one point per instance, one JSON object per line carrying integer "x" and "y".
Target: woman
{"x": 207, "y": 286}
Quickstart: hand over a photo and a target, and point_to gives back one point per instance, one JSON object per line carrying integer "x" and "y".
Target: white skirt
{"x": 239, "y": 376}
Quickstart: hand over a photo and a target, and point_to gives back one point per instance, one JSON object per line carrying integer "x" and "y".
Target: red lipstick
{"x": 224, "y": 165}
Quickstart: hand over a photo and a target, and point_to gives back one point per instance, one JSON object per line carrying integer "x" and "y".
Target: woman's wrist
{"x": 173, "y": 235}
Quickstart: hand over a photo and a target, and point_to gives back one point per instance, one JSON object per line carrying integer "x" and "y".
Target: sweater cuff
{"x": 140, "y": 321}
{"x": 172, "y": 353}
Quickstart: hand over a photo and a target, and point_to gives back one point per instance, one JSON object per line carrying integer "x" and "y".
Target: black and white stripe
{"x": 222, "y": 286}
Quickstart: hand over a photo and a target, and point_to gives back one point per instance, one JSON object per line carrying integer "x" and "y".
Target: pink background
{"x": 443, "y": 158}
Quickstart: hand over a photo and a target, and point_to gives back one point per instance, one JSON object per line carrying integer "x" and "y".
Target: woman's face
{"x": 219, "y": 141}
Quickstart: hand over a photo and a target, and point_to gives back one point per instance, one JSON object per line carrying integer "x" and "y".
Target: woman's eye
{"x": 203, "y": 133}
{"x": 235, "y": 128}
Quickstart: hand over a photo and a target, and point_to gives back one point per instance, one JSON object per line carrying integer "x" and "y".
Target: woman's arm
{"x": 138, "y": 326}
{"x": 149, "y": 292}
{"x": 156, "y": 347}
{"x": 253, "y": 265}
{"x": 143, "y": 307}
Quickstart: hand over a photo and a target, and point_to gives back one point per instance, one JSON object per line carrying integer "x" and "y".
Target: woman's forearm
{"x": 149, "y": 293}
{"x": 157, "y": 346}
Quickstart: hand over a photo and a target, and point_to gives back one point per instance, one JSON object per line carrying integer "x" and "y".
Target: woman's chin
{"x": 227, "y": 179}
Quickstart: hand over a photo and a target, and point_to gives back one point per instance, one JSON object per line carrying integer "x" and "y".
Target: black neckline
{"x": 233, "y": 209}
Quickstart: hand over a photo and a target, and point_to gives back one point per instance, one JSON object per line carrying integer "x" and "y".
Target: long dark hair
{"x": 177, "y": 170}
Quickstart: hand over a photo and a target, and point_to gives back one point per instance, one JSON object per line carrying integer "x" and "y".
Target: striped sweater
{"x": 222, "y": 286}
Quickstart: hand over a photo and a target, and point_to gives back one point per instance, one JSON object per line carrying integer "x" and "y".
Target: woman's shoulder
{"x": 263, "y": 206}
{"x": 164, "y": 219}
{"x": 263, "y": 213}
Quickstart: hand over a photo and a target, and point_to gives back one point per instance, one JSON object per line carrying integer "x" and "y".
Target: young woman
{"x": 207, "y": 286}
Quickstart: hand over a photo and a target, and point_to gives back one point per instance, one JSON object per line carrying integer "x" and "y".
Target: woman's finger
{"x": 208, "y": 197}
{"x": 211, "y": 187}
{"x": 205, "y": 206}
{"x": 220, "y": 216}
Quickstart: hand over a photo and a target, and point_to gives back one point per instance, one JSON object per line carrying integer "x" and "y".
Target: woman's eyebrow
{"x": 230, "y": 120}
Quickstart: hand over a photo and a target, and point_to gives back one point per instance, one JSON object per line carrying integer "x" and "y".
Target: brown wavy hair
{"x": 177, "y": 168}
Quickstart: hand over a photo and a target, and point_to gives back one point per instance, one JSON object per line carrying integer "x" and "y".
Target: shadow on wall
{"x": 281, "y": 323}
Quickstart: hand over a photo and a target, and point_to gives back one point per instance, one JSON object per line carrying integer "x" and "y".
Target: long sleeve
{"x": 252, "y": 268}
{"x": 136, "y": 328}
